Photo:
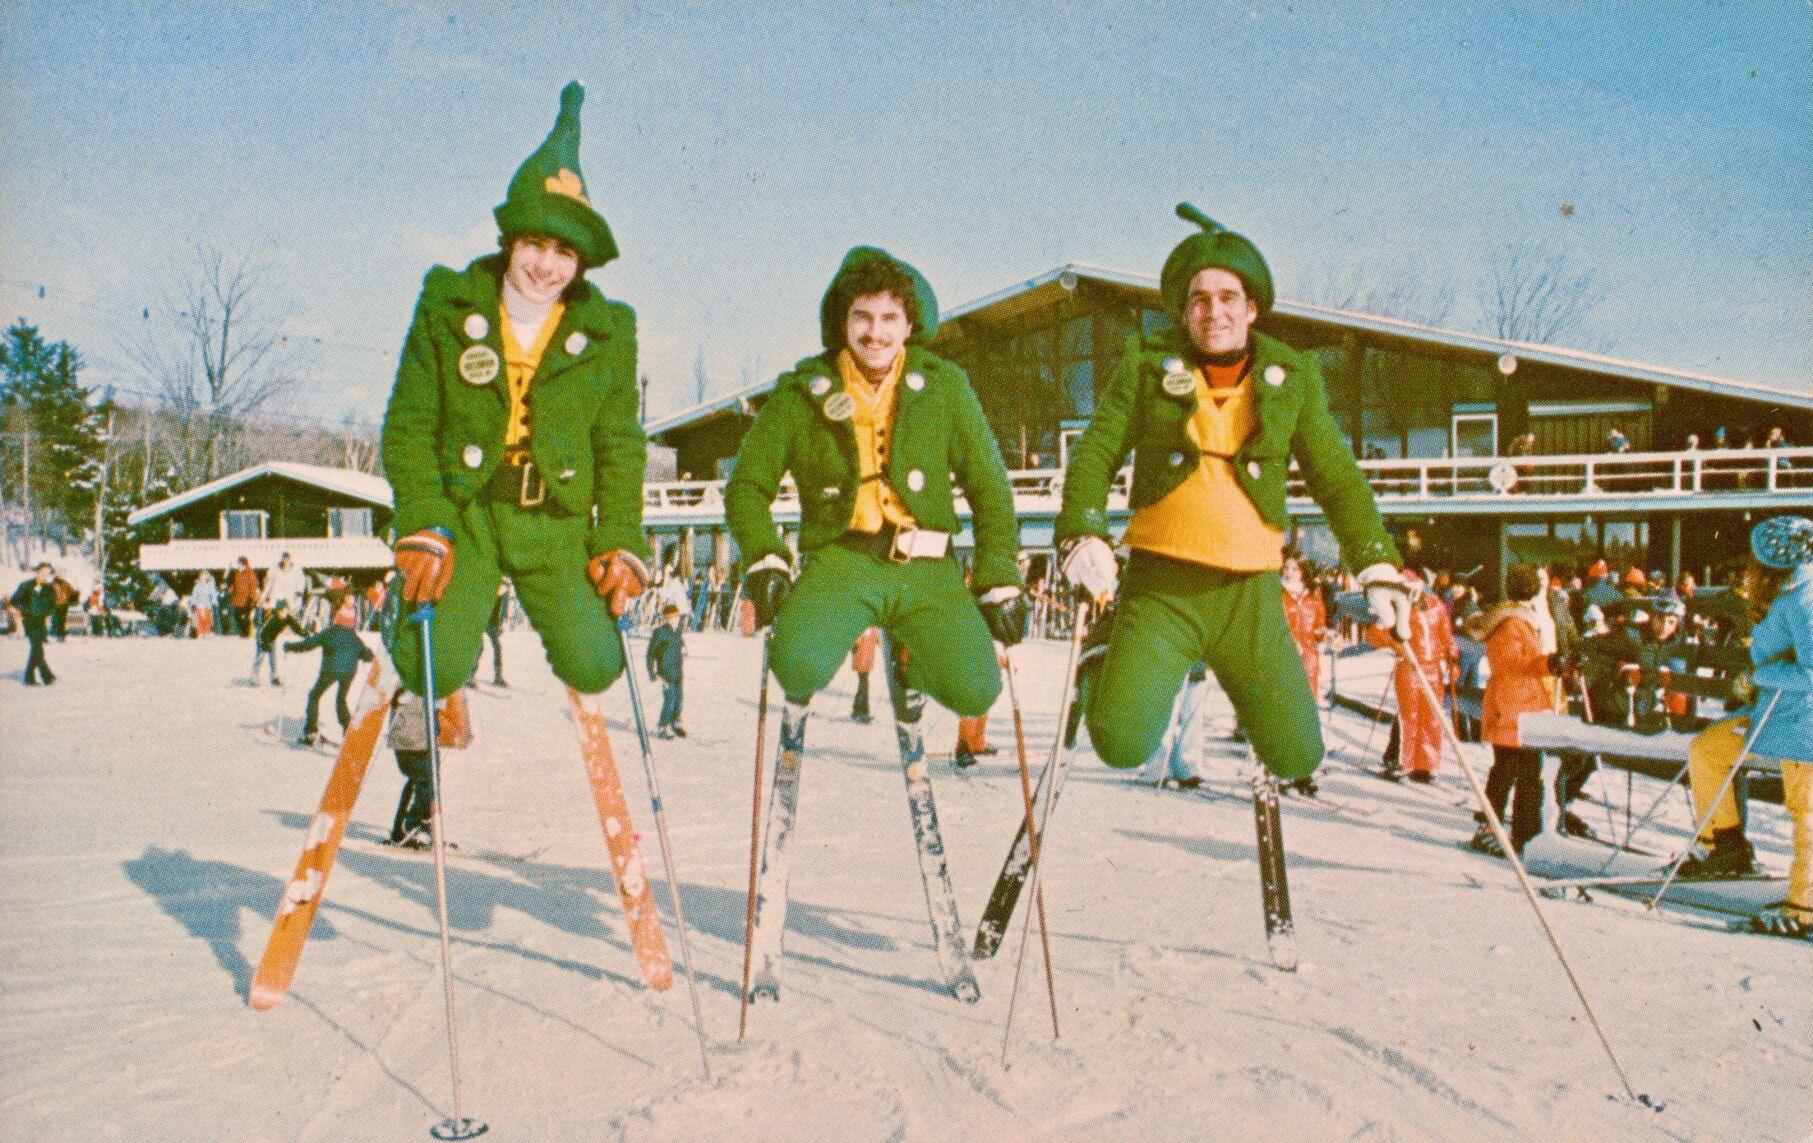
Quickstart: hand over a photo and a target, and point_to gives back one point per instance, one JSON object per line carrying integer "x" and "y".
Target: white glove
{"x": 1089, "y": 567}
{"x": 1388, "y": 598}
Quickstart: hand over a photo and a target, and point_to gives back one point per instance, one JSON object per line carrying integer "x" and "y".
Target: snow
{"x": 150, "y": 824}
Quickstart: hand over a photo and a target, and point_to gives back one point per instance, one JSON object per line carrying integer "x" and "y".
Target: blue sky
{"x": 738, "y": 151}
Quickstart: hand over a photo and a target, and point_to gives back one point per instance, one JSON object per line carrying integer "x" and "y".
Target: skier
{"x": 1437, "y": 656}
{"x": 1215, "y": 412}
{"x": 33, "y": 603}
{"x": 1517, "y": 686}
{"x": 667, "y": 662}
{"x": 264, "y": 642}
{"x": 494, "y": 634}
{"x": 1308, "y": 619}
{"x": 512, "y": 423}
{"x": 1781, "y": 646}
{"x": 409, "y": 739}
{"x": 874, "y": 430}
{"x": 204, "y": 598}
{"x": 341, "y": 653}
{"x": 242, "y": 597}
{"x": 1172, "y": 761}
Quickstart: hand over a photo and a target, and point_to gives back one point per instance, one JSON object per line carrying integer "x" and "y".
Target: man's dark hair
{"x": 875, "y": 276}
{"x": 45, "y": 566}
{"x": 1522, "y": 582}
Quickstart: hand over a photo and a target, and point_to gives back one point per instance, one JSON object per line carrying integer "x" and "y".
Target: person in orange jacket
{"x": 1308, "y": 619}
{"x": 1432, "y": 645}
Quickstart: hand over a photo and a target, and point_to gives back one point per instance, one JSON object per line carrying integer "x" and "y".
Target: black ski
{"x": 1280, "y": 931}
{"x": 1006, "y": 897}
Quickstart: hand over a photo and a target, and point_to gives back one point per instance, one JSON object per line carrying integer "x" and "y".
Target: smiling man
{"x": 875, "y": 431}
{"x": 1217, "y": 411}
{"x": 512, "y": 440}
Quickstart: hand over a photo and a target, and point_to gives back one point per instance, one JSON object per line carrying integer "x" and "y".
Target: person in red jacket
{"x": 1308, "y": 619}
{"x": 1432, "y": 645}
{"x": 1516, "y": 687}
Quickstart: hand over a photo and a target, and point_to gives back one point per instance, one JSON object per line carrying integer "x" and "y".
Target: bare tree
{"x": 1405, "y": 291}
{"x": 216, "y": 354}
{"x": 1531, "y": 293}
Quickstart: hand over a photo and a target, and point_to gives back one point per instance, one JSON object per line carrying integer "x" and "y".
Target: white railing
{"x": 306, "y": 551}
{"x": 1784, "y": 472}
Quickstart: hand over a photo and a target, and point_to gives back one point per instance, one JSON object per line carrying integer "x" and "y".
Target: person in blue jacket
{"x": 341, "y": 653}
{"x": 667, "y": 662}
{"x": 1781, "y": 722}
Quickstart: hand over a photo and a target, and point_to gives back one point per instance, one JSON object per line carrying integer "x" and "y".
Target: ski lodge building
{"x": 330, "y": 520}
{"x": 1435, "y": 414}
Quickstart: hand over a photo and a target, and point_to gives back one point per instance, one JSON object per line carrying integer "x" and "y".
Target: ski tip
{"x": 1284, "y": 953}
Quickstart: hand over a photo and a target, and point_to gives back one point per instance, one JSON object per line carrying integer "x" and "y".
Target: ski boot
{"x": 1573, "y": 825}
{"x": 1304, "y": 787}
{"x": 1485, "y": 841}
{"x": 309, "y": 738}
{"x": 1729, "y": 855}
{"x": 1421, "y": 777}
{"x": 964, "y": 757}
{"x": 1189, "y": 783}
{"x": 1782, "y": 919}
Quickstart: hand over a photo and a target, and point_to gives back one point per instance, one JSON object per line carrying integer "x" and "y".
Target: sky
{"x": 738, "y": 150}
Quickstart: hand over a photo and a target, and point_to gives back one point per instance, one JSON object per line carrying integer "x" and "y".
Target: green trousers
{"x": 1172, "y": 614}
{"x": 543, "y": 550}
{"x": 921, "y": 604}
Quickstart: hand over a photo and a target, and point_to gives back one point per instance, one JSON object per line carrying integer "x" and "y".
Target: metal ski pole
{"x": 1523, "y": 875}
{"x": 1373, "y": 729}
{"x": 455, "y": 1126}
{"x": 1712, "y": 807}
{"x": 755, "y": 837}
{"x": 1033, "y": 836}
{"x": 667, "y": 850}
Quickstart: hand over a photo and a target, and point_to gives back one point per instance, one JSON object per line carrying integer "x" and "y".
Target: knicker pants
{"x": 1172, "y": 614}
{"x": 544, "y": 552}
{"x": 921, "y": 604}
{"x": 1711, "y": 756}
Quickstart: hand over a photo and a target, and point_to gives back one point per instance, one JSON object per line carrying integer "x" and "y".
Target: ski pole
{"x": 1051, "y": 785}
{"x": 1032, "y": 837}
{"x": 1523, "y": 875}
{"x": 1712, "y": 807}
{"x": 455, "y": 1126}
{"x": 667, "y": 850}
{"x": 755, "y": 837}
{"x": 1373, "y": 729}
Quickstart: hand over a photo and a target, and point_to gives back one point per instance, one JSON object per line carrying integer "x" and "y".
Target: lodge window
{"x": 349, "y": 522}
{"x": 242, "y": 524}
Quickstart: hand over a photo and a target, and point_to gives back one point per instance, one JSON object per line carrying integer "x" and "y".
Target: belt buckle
{"x": 531, "y": 478}
{"x": 897, "y": 554}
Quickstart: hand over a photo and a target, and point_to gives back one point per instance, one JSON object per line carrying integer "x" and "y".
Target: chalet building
{"x": 330, "y": 520}
{"x": 1480, "y": 450}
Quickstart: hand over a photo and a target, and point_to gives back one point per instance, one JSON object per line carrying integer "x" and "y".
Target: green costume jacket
{"x": 444, "y": 436}
{"x": 940, "y": 434}
{"x": 1136, "y": 414}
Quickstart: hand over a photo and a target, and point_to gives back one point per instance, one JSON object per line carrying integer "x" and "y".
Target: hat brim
{"x": 557, "y": 216}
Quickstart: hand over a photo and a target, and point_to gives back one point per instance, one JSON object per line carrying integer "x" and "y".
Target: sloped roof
{"x": 346, "y": 481}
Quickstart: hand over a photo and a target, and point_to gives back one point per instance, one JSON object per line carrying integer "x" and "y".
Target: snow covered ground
{"x": 148, "y": 822}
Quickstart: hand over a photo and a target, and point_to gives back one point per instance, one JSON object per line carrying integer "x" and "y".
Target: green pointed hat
{"x": 1214, "y": 246}
{"x": 547, "y": 196}
{"x": 868, "y": 270}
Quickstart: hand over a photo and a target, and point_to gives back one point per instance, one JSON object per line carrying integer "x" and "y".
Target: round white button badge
{"x": 915, "y": 381}
{"x": 915, "y": 480}
{"x": 840, "y": 406}
{"x": 576, "y": 344}
{"x": 478, "y": 365}
{"x": 821, "y": 386}
{"x": 473, "y": 456}
{"x": 1274, "y": 375}
{"x": 1253, "y": 469}
{"x": 476, "y": 326}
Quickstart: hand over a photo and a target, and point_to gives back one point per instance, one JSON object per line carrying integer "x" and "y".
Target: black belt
{"x": 518, "y": 483}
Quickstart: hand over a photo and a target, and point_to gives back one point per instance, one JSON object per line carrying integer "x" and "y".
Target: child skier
{"x": 341, "y": 653}
{"x": 276, "y": 622}
{"x": 667, "y": 662}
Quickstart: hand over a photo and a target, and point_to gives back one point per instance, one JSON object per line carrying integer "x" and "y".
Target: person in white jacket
{"x": 286, "y": 581}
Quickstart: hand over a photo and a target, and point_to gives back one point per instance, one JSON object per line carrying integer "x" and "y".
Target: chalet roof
{"x": 373, "y": 490}
{"x": 1005, "y": 304}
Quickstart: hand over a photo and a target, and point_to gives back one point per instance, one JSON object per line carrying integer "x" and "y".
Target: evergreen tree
{"x": 46, "y": 405}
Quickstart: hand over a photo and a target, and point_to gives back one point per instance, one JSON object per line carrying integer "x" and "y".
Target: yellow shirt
{"x": 1209, "y": 519}
{"x": 873, "y": 420}
{"x": 519, "y": 369}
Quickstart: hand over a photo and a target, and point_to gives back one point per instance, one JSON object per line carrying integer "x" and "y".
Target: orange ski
{"x": 646, "y": 938}
{"x": 302, "y": 895}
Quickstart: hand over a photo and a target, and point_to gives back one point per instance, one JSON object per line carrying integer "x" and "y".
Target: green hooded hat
{"x": 547, "y": 196}
{"x": 1215, "y": 246}
{"x": 858, "y": 276}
